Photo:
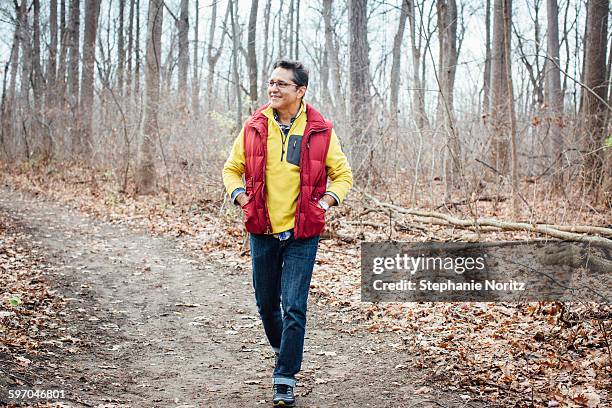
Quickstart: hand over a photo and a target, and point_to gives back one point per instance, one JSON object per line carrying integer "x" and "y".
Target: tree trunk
{"x": 183, "y": 54}
{"x": 137, "y": 52}
{"x": 500, "y": 103}
{"x": 26, "y": 55}
{"x": 395, "y": 68}
{"x": 212, "y": 57}
{"x": 291, "y": 29}
{"x": 332, "y": 53}
{"x": 486, "y": 84}
{"x": 213, "y": 53}
{"x": 266, "y": 62}
{"x": 195, "y": 79}
{"x": 447, "y": 35}
{"x": 507, "y": 13}
{"x": 39, "y": 119}
{"x": 17, "y": 38}
{"x": 594, "y": 96}
{"x": 252, "y": 56}
{"x": 52, "y": 62}
{"x": 8, "y": 109}
{"x": 359, "y": 77}
{"x": 73, "y": 48}
{"x": 92, "y": 12}
{"x": 296, "y": 53}
{"x": 130, "y": 47}
{"x": 554, "y": 95}
{"x": 418, "y": 94}
{"x": 235, "y": 74}
{"x": 282, "y": 31}
{"x": 121, "y": 50}
{"x": 62, "y": 64}
{"x": 146, "y": 175}
{"x": 73, "y": 75}
{"x": 25, "y": 107}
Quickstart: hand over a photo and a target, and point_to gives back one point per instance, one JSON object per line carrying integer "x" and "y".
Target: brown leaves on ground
{"x": 31, "y": 326}
{"x": 515, "y": 354}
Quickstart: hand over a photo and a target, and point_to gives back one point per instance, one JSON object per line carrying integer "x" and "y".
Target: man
{"x": 277, "y": 172}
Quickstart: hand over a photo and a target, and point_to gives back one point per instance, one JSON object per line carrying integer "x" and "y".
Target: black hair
{"x": 300, "y": 74}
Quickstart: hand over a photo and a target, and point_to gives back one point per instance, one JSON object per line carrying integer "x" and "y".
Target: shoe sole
{"x": 283, "y": 404}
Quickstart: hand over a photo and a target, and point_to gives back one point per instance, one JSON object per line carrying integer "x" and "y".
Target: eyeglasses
{"x": 280, "y": 84}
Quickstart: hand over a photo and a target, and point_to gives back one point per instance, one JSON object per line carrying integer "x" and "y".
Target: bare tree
{"x": 146, "y": 177}
{"x": 418, "y": 104}
{"x": 251, "y": 55}
{"x": 92, "y": 12}
{"x": 51, "y": 75}
{"x": 17, "y": 38}
{"x": 447, "y": 35}
{"x": 121, "y": 49}
{"x": 359, "y": 77}
{"x": 73, "y": 73}
{"x": 137, "y": 51}
{"x": 596, "y": 91}
{"x": 266, "y": 58}
{"x": 24, "y": 103}
{"x": 52, "y": 58}
{"x": 130, "y": 48}
{"x": 73, "y": 50}
{"x": 296, "y": 26}
{"x": 486, "y": 84}
{"x": 39, "y": 120}
{"x": 62, "y": 63}
{"x": 332, "y": 55}
{"x": 291, "y": 28}
{"x": 500, "y": 103}
{"x": 395, "y": 67}
{"x": 213, "y": 53}
{"x": 235, "y": 73}
{"x": 8, "y": 97}
{"x": 26, "y": 54}
{"x": 554, "y": 95}
{"x": 183, "y": 52}
{"x": 195, "y": 78}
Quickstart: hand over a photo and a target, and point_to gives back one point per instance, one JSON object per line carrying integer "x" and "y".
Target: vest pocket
{"x": 250, "y": 216}
{"x": 315, "y": 222}
{"x": 294, "y": 149}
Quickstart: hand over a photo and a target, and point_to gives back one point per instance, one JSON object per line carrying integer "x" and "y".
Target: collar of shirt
{"x": 286, "y": 128}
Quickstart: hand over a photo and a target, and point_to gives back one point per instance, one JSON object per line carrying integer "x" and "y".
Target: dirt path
{"x": 159, "y": 328}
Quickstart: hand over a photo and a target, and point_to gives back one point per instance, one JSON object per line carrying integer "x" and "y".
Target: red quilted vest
{"x": 309, "y": 218}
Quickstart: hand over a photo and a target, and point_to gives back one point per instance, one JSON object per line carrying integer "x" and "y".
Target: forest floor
{"x": 121, "y": 303}
{"x": 146, "y": 324}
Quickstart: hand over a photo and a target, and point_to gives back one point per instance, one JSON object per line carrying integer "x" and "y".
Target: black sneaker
{"x": 283, "y": 396}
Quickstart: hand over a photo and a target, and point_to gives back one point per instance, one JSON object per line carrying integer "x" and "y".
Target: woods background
{"x": 462, "y": 120}
{"x": 510, "y": 96}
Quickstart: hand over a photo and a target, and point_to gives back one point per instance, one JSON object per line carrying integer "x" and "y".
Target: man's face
{"x": 284, "y": 93}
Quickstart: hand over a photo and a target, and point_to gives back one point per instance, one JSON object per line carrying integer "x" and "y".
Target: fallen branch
{"x": 546, "y": 229}
{"x": 498, "y": 199}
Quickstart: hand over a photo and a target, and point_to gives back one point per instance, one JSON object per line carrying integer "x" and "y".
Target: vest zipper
{"x": 263, "y": 191}
{"x": 263, "y": 188}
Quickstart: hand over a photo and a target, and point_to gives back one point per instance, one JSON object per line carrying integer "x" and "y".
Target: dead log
{"x": 545, "y": 229}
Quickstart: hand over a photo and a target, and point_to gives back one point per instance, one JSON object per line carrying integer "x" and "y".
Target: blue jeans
{"x": 281, "y": 277}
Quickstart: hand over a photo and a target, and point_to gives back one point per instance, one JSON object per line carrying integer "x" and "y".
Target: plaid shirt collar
{"x": 286, "y": 128}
